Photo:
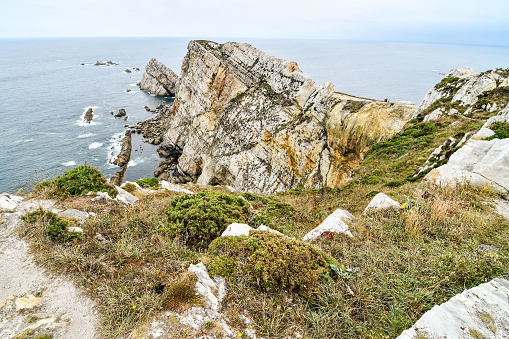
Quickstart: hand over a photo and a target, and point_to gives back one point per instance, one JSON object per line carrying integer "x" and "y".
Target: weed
{"x": 53, "y": 226}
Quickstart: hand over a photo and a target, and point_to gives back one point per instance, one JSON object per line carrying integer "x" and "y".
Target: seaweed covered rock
{"x": 270, "y": 261}
{"x": 246, "y": 119}
{"x": 198, "y": 219}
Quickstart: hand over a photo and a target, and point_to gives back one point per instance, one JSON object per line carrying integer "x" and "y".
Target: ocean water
{"x": 45, "y": 91}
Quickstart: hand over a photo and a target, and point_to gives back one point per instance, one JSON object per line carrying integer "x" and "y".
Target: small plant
{"x": 271, "y": 261}
{"x": 129, "y": 187}
{"x": 199, "y": 219}
{"x": 148, "y": 182}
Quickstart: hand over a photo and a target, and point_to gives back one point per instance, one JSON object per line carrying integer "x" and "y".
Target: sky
{"x": 442, "y": 21}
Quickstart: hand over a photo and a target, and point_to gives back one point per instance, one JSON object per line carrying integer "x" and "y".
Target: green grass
{"x": 501, "y": 130}
{"x": 148, "y": 182}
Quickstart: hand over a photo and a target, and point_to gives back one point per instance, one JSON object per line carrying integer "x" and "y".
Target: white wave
{"x": 69, "y": 163}
{"x": 83, "y": 136}
{"x": 95, "y": 145}
{"x": 134, "y": 85}
{"x": 22, "y": 141}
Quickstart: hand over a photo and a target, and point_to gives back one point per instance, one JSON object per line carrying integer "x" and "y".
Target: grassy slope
{"x": 402, "y": 263}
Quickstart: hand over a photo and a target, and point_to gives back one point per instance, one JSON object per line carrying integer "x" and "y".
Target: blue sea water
{"x": 45, "y": 91}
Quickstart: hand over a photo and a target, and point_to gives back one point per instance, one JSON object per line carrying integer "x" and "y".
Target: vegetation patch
{"x": 199, "y": 219}
{"x": 270, "y": 261}
{"x": 53, "y": 226}
{"x": 268, "y": 212}
{"x": 501, "y": 130}
{"x": 77, "y": 181}
{"x": 148, "y": 182}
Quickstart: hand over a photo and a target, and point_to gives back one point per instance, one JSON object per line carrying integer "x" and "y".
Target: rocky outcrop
{"x": 480, "y": 162}
{"x": 125, "y": 153}
{"x": 158, "y": 79}
{"x": 89, "y": 115}
{"x": 480, "y": 312}
{"x": 334, "y": 223}
{"x": 249, "y": 120}
{"x": 381, "y": 201}
{"x": 121, "y": 113}
{"x": 463, "y": 91}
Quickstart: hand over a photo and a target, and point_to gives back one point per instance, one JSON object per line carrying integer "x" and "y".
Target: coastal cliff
{"x": 158, "y": 79}
{"x": 255, "y": 122}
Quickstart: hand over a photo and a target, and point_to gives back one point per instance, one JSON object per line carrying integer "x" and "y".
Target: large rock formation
{"x": 463, "y": 91}
{"x": 158, "y": 79}
{"x": 482, "y": 161}
{"x": 249, "y": 120}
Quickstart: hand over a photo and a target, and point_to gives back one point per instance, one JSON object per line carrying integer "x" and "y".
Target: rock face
{"x": 465, "y": 88}
{"x": 249, "y": 120}
{"x": 158, "y": 79}
{"x": 125, "y": 153}
{"x": 480, "y": 162}
{"x": 480, "y": 312}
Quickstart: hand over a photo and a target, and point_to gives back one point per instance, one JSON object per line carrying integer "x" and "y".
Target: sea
{"x": 47, "y": 85}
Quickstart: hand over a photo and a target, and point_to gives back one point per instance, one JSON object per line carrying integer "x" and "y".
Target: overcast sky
{"x": 454, "y": 21}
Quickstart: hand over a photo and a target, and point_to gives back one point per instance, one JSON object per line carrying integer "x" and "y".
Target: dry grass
{"x": 401, "y": 263}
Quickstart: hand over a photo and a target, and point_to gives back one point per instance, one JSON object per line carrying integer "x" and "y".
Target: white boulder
{"x": 483, "y": 310}
{"x": 334, "y": 223}
{"x": 8, "y": 202}
{"x": 125, "y": 197}
{"x": 81, "y": 216}
{"x": 381, "y": 201}
{"x": 236, "y": 230}
{"x": 174, "y": 188}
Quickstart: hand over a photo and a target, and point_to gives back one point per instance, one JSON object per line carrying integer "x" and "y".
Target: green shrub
{"x": 199, "y": 219}
{"x": 501, "y": 130}
{"x": 54, "y": 226}
{"x": 148, "y": 182}
{"x": 270, "y": 261}
{"x": 82, "y": 179}
{"x": 129, "y": 187}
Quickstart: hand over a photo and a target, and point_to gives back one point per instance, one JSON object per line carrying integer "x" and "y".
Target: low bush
{"x": 54, "y": 226}
{"x": 270, "y": 261}
{"x": 501, "y": 130}
{"x": 148, "y": 182}
{"x": 199, "y": 219}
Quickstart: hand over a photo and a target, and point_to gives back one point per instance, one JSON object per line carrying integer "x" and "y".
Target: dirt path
{"x": 31, "y": 302}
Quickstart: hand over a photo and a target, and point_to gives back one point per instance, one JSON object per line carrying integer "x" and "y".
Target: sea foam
{"x": 69, "y": 163}
{"x": 95, "y": 145}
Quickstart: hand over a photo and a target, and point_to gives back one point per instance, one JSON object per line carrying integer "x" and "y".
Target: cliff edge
{"x": 255, "y": 122}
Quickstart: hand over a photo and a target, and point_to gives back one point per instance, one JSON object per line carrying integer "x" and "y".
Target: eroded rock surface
{"x": 249, "y": 120}
{"x": 480, "y": 312}
{"x": 125, "y": 153}
{"x": 334, "y": 223}
{"x": 480, "y": 162}
{"x": 158, "y": 79}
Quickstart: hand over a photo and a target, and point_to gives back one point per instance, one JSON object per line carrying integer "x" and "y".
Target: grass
{"x": 399, "y": 263}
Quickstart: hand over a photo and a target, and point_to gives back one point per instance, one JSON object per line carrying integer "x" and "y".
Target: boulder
{"x": 9, "y": 202}
{"x": 81, "y": 216}
{"x": 89, "y": 115}
{"x": 127, "y": 70}
{"x": 236, "y": 230}
{"x": 482, "y": 310}
{"x": 381, "y": 202}
{"x": 121, "y": 113}
{"x": 334, "y": 223}
{"x": 206, "y": 286}
{"x": 125, "y": 197}
{"x": 480, "y": 162}
{"x": 158, "y": 79}
{"x": 173, "y": 187}
{"x": 246, "y": 119}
